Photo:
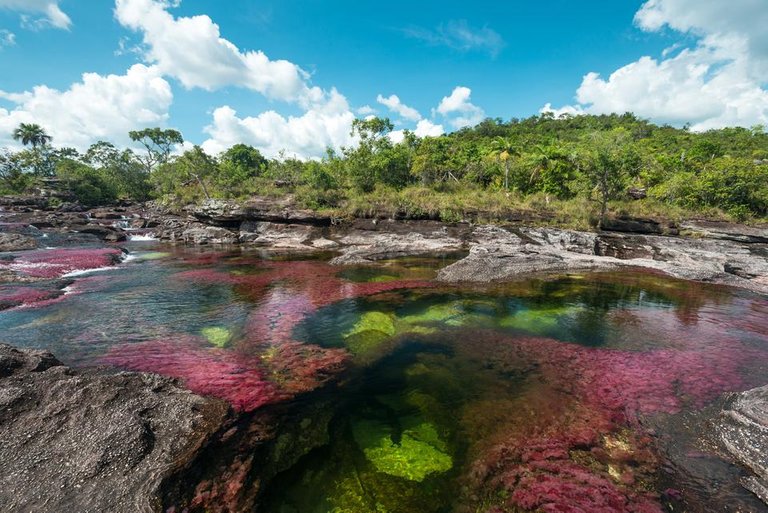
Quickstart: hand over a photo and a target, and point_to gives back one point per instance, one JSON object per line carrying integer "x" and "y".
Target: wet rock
{"x": 279, "y": 236}
{"x": 89, "y": 441}
{"x": 632, "y": 225}
{"x": 209, "y": 235}
{"x": 742, "y": 429}
{"x": 359, "y": 247}
{"x": 323, "y": 243}
{"x": 230, "y": 213}
{"x": 219, "y": 211}
{"x": 104, "y": 233}
{"x": 498, "y": 254}
{"x": 16, "y": 242}
{"x": 727, "y": 231}
{"x": 501, "y": 254}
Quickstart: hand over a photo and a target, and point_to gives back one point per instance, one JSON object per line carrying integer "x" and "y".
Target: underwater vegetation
{"x": 55, "y": 263}
{"x": 217, "y": 335}
{"x": 417, "y": 453}
{"x": 529, "y": 396}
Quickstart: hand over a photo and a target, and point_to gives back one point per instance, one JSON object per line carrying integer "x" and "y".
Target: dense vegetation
{"x": 574, "y": 169}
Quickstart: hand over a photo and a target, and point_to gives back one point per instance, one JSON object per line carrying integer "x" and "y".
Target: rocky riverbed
{"x": 149, "y": 441}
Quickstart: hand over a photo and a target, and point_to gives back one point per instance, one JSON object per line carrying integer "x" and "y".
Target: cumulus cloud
{"x": 459, "y": 109}
{"x": 366, "y": 110}
{"x": 426, "y": 128}
{"x": 7, "y": 38}
{"x": 192, "y": 50}
{"x": 394, "y": 104}
{"x": 460, "y": 36}
{"x": 568, "y": 110}
{"x": 720, "y": 81}
{"x": 305, "y": 136}
{"x": 52, "y": 15}
{"x": 97, "y": 107}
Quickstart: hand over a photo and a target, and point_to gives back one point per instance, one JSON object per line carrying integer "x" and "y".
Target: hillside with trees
{"x": 569, "y": 170}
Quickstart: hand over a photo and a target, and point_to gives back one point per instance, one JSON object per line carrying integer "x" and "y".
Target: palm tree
{"x": 505, "y": 149}
{"x": 31, "y": 133}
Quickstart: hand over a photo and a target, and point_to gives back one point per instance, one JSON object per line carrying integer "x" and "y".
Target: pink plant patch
{"x": 55, "y": 263}
{"x": 23, "y": 296}
{"x": 237, "y": 379}
{"x": 576, "y": 453}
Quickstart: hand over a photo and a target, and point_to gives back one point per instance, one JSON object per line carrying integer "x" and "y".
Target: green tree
{"x": 368, "y": 163}
{"x": 188, "y": 173}
{"x": 158, "y": 144}
{"x": 505, "y": 149}
{"x": 238, "y": 166}
{"x": 121, "y": 169}
{"x": 611, "y": 162}
{"x": 86, "y": 183}
{"x": 31, "y": 134}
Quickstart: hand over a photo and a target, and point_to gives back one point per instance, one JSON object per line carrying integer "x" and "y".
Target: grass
{"x": 453, "y": 203}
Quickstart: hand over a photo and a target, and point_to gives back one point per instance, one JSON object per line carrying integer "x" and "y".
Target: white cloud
{"x": 568, "y": 110}
{"x": 53, "y": 15}
{"x": 720, "y": 81}
{"x": 192, "y": 50}
{"x": 460, "y": 109}
{"x": 426, "y": 128}
{"x": 7, "y": 38}
{"x": 305, "y": 136}
{"x": 394, "y": 104}
{"x": 366, "y": 110}
{"x": 459, "y": 35}
{"x": 98, "y": 107}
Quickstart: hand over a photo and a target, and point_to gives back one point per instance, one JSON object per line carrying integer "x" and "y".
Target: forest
{"x": 575, "y": 170}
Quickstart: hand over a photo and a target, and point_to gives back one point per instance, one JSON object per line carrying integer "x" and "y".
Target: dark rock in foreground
{"x": 742, "y": 430}
{"x": 88, "y": 441}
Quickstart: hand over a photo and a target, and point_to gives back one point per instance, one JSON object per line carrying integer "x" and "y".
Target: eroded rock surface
{"x": 742, "y": 429}
{"x": 89, "y": 441}
{"x": 497, "y": 253}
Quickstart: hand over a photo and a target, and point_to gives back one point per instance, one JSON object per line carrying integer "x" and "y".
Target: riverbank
{"x": 708, "y": 251}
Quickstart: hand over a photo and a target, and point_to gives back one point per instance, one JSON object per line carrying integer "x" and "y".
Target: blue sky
{"x": 292, "y": 74}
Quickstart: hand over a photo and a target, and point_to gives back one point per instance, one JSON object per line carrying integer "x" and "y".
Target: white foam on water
{"x": 141, "y": 238}
{"x": 80, "y": 272}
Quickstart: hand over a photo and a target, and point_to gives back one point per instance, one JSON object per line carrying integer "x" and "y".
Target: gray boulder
{"x": 91, "y": 441}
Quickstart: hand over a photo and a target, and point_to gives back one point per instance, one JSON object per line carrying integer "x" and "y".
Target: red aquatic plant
{"x": 238, "y": 379}
{"x": 55, "y": 263}
{"x": 580, "y": 456}
{"x": 24, "y": 296}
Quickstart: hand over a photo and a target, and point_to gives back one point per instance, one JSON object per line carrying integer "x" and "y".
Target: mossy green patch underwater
{"x": 217, "y": 335}
{"x": 418, "y": 453}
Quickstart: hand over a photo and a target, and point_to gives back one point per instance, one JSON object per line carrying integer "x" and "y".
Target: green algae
{"x": 369, "y": 333}
{"x": 540, "y": 321}
{"x": 152, "y": 255}
{"x": 365, "y": 342}
{"x": 416, "y": 455}
{"x": 454, "y": 313}
{"x": 217, "y": 335}
{"x": 373, "y": 321}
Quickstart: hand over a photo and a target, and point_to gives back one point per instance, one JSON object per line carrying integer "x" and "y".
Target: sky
{"x": 290, "y": 76}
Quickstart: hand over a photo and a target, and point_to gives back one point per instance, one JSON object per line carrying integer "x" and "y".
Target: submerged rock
{"x": 88, "y": 441}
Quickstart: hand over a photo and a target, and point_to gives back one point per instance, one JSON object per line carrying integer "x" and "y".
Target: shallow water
{"x": 545, "y": 393}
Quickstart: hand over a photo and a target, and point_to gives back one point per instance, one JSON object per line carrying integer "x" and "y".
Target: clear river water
{"x": 549, "y": 393}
